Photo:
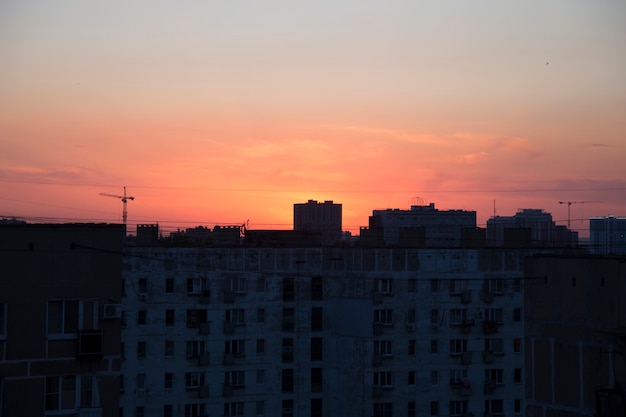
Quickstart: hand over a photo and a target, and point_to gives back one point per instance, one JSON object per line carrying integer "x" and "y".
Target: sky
{"x": 230, "y": 112}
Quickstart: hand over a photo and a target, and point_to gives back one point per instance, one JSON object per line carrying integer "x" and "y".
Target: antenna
{"x": 124, "y": 199}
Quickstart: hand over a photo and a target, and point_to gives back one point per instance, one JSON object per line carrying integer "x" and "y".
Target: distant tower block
{"x": 323, "y": 218}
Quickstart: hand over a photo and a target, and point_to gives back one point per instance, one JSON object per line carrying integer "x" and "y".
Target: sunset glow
{"x": 219, "y": 112}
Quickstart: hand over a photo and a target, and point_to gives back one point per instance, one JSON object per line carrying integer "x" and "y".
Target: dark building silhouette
{"x": 60, "y": 319}
{"x": 324, "y": 218}
{"x": 528, "y": 228}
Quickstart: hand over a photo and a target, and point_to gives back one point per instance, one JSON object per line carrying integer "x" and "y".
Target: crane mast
{"x": 569, "y": 204}
{"x": 124, "y": 198}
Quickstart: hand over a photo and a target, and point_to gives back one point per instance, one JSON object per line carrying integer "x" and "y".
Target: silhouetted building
{"x": 147, "y": 234}
{"x": 528, "y": 228}
{"x": 608, "y": 235}
{"x": 324, "y": 218}
{"x": 60, "y": 319}
{"x": 575, "y": 336}
{"x": 421, "y": 226}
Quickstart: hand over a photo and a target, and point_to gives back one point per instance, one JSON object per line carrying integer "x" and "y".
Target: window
{"x": 384, "y": 316}
{"x": 169, "y": 317}
{"x": 517, "y": 285}
{"x": 260, "y": 346}
{"x": 434, "y": 285}
{"x": 288, "y": 320}
{"x": 410, "y": 409}
{"x": 494, "y": 345}
{"x": 236, "y": 316}
{"x": 260, "y": 377}
{"x": 383, "y": 410}
{"x": 288, "y": 289}
{"x": 434, "y": 377}
{"x": 141, "y": 350}
{"x": 63, "y": 317}
{"x": 411, "y": 378}
{"x": 287, "y": 350}
{"x": 168, "y": 410}
{"x": 195, "y": 410}
{"x": 316, "y": 407}
{"x": 458, "y": 376}
{"x": 287, "y": 408}
{"x": 517, "y": 406}
{"x": 195, "y": 348}
{"x": 169, "y": 348}
{"x": 383, "y": 379}
{"x": 140, "y": 411}
{"x": 494, "y": 314}
{"x": 317, "y": 288}
{"x": 70, "y": 392}
{"x": 434, "y": 408}
{"x": 382, "y": 347}
{"x": 411, "y": 350}
{"x": 122, "y": 387}
{"x": 494, "y": 375}
{"x": 411, "y": 316}
{"x": 260, "y": 315}
{"x": 317, "y": 319}
{"x": 141, "y": 317}
{"x": 316, "y": 380}
{"x": 169, "y": 285}
{"x": 517, "y": 375}
{"x": 517, "y": 345}
{"x": 411, "y": 285}
{"x": 260, "y": 408}
{"x": 434, "y": 347}
{"x": 196, "y": 285}
{"x": 494, "y": 285}
{"x": 517, "y": 315}
{"x": 454, "y": 286}
{"x": 494, "y": 406}
{"x": 434, "y": 317}
{"x": 236, "y": 285}
{"x": 458, "y": 346}
{"x": 193, "y": 380}
{"x": 287, "y": 380}
{"x": 236, "y": 347}
{"x": 458, "y": 316}
{"x": 458, "y": 408}
{"x": 384, "y": 286}
{"x": 316, "y": 348}
{"x": 235, "y": 378}
{"x": 196, "y": 317}
{"x": 142, "y": 285}
{"x": 168, "y": 380}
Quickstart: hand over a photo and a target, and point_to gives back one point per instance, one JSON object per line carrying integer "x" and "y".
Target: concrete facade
{"x": 59, "y": 351}
{"x": 322, "y": 331}
{"x": 575, "y": 336}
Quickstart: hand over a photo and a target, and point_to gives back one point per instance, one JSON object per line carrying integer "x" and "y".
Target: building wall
{"x": 575, "y": 332}
{"x": 319, "y": 217}
{"x": 74, "y": 266}
{"x": 608, "y": 235}
{"x": 360, "y": 288}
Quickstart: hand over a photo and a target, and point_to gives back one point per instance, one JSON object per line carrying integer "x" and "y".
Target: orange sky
{"x": 223, "y": 113}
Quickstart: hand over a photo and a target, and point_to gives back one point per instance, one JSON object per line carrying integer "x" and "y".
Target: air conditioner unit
{"x": 112, "y": 311}
{"x": 410, "y": 327}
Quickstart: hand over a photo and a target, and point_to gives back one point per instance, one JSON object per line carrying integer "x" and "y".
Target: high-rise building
{"x": 421, "y": 226}
{"x": 60, "y": 319}
{"x": 323, "y": 218}
{"x": 528, "y": 228}
{"x": 608, "y": 235}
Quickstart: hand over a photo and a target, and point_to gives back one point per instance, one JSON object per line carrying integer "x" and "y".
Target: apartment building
{"x": 60, "y": 294}
{"x": 575, "y": 335}
{"x": 322, "y": 331}
{"x": 607, "y": 235}
{"x": 323, "y": 218}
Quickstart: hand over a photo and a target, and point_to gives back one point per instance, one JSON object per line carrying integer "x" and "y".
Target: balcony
{"x": 377, "y": 328}
{"x": 491, "y": 386}
{"x": 466, "y": 297}
{"x": 203, "y": 391}
{"x": 466, "y": 326}
{"x": 204, "y": 328}
{"x": 377, "y": 391}
{"x": 488, "y": 357}
{"x": 204, "y": 359}
{"x": 377, "y": 297}
{"x": 205, "y": 297}
{"x": 462, "y": 387}
{"x": 229, "y": 297}
{"x": 229, "y": 327}
{"x": 90, "y": 412}
{"x": 229, "y": 359}
{"x": 89, "y": 344}
{"x": 228, "y": 390}
{"x": 486, "y": 297}
{"x": 466, "y": 358}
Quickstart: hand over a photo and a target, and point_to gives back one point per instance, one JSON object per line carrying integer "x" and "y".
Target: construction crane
{"x": 124, "y": 199}
{"x": 569, "y": 204}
